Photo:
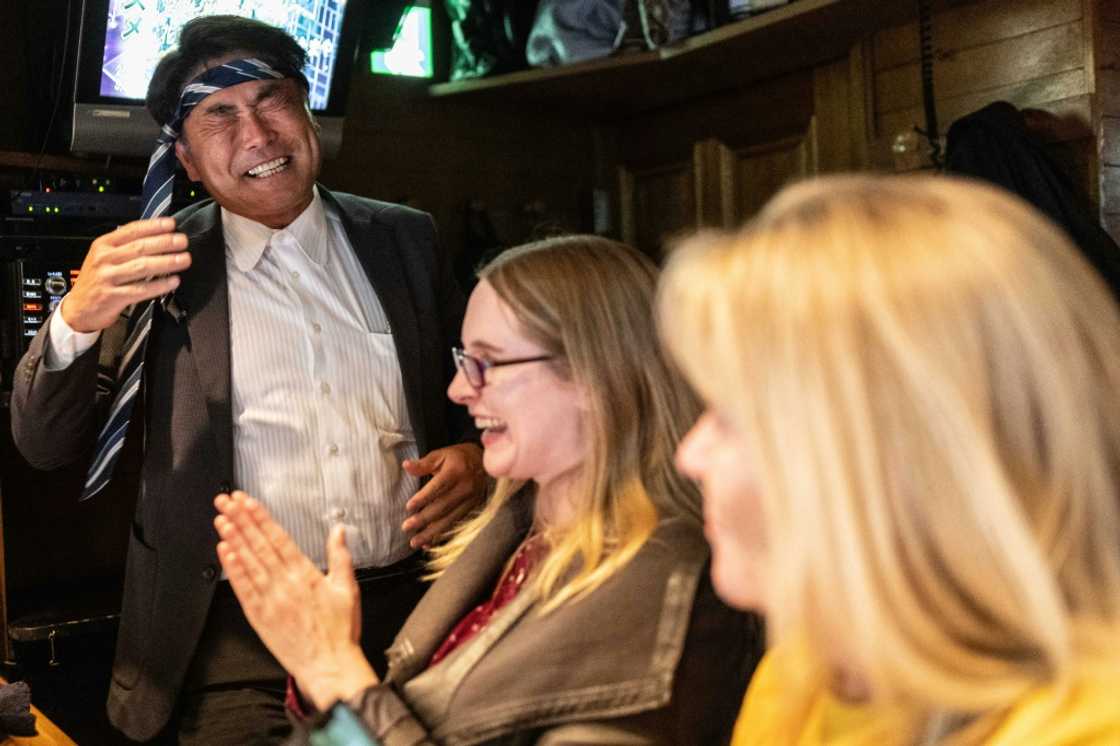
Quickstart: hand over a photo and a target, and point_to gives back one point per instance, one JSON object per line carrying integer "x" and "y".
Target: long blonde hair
{"x": 929, "y": 373}
{"x": 589, "y": 302}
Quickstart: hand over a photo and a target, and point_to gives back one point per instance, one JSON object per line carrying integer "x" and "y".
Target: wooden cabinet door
{"x": 734, "y": 183}
{"x": 720, "y": 187}
{"x": 658, "y": 204}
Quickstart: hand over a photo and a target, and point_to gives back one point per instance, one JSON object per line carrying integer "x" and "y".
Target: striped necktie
{"x": 159, "y": 182}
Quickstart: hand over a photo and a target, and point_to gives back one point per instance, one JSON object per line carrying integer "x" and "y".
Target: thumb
{"x": 339, "y": 562}
{"x": 422, "y": 467}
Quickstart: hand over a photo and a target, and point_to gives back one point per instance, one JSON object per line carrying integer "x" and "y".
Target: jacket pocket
{"x": 136, "y": 611}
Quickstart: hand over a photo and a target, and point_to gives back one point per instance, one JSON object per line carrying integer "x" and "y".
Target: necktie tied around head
{"x": 159, "y": 182}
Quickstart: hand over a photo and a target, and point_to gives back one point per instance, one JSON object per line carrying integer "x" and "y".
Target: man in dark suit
{"x": 302, "y": 355}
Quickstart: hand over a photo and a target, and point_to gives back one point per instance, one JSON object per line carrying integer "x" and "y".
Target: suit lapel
{"x": 374, "y": 246}
{"x": 203, "y": 296}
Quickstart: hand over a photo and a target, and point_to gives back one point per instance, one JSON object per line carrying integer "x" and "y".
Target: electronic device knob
{"x": 55, "y": 285}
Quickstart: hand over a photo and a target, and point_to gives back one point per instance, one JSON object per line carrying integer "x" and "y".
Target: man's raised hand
{"x": 138, "y": 261}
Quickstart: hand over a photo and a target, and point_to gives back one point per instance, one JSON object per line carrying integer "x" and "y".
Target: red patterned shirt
{"x": 509, "y": 586}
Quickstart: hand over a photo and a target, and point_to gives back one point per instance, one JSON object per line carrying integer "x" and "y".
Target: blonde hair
{"x": 589, "y": 302}
{"x": 928, "y": 372}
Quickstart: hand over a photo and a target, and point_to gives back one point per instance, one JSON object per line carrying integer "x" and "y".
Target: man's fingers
{"x": 138, "y": 229}
{"x": 427, "y": 494}
{"x": 154, "y": 288}
{"x": 434, "y": 509}
{"x": 158, "y": 245}
{"x": 145, "y": 268}
{"x": 435, "y": 530}
{"x": 422, "y": 467}
{"x": 438, "y": 509}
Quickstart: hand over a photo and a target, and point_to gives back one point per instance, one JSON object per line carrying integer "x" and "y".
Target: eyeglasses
{"x": 474, "y": 369}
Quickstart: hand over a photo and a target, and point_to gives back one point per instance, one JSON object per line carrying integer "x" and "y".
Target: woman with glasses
{"x": 576, "y": 607}
{"x": 910, "y": 462}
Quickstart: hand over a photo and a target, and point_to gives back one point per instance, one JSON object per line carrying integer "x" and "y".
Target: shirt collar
{"x": 247, "y": 239}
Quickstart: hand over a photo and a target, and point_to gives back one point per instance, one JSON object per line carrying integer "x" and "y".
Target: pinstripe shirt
{"x": 320, "y": 423}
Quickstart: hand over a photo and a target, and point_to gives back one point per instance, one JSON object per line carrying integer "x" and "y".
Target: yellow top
{"x": 1086, "y": 713}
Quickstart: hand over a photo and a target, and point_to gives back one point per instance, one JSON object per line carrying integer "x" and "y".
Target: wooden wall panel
{"x": 833, "y": 101}
{"x": 1034, "y": 55}
{"x": 1065, "y": 95}
{"x": 1108, "y": 10}
{"x": 760, "y": 113}
{"x": 1110, "y": 141}
{"x": 974, "y": 25}
{"x": 1107, "y": 60}
{"x": 1108, "y": 64}
{"x": 1111, "y": 222}
{"x": 530, "y": 168}
{"x": 1110, "y": 183}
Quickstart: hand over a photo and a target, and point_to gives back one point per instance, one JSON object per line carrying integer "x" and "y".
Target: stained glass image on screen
{"x": 139, "y": 32}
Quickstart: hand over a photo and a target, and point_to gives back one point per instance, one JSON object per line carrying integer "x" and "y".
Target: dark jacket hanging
{"x": 994, "y": 144}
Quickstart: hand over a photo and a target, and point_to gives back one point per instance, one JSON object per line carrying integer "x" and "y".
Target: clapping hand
{"x": 309, "y": 620}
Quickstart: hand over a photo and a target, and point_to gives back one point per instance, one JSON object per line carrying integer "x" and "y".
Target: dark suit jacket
{"x": 172, "y": 566}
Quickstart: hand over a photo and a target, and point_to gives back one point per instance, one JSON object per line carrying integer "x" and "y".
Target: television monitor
{"x": 408, "y": 52}
{"x": 122, "y": 40}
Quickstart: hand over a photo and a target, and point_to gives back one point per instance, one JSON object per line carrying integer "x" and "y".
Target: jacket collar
{"x": 472, "y": 575}
{"x": 521, "y": 670}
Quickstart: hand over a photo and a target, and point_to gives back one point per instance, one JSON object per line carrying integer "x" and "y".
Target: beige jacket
{"x": 651, "y": 656}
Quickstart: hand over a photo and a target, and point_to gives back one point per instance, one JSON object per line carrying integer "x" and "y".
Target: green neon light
{"x": 411, "y": 54}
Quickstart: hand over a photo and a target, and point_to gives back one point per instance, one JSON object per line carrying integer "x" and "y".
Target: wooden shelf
{"x": 786, "y": 39}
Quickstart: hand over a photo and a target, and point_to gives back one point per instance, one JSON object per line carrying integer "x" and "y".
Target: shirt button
{"x": 332, "y": 449}
{"x": 209, "y": 573}
{"x": 325, "y": 387}
{"x": 337, "y": 514}
{"x": 316, "y": 327}
{"x": 295, "y": 275}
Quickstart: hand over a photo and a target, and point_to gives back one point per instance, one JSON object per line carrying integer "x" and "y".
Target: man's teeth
{"x": 487, "y": 423}
{"x": 265, "y": 170}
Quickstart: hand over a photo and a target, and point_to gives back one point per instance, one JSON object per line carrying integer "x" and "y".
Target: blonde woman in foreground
{"x": 577, "y": 607}
{"x": 909, "y": 463}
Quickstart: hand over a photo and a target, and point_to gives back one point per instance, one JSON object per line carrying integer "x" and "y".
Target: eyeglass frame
{"x": 461, "y": 356}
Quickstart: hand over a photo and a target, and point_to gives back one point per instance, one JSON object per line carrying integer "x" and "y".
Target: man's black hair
{"x": 210, "y": 37}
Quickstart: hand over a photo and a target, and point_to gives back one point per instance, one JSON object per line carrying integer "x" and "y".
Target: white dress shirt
{"x": 320, "y": 422}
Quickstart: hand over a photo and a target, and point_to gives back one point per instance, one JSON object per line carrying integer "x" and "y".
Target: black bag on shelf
{"x": 488, "y": 37}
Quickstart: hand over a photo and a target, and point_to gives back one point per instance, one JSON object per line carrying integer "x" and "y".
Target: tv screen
{"x": 139, "y": 32}
{"x": 123, "y": 40}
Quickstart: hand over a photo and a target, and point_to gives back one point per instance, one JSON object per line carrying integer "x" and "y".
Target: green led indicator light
{"x": 193, "y": 192}
{"x": 31, "y": 208}
{"x": 101, "y": 189}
